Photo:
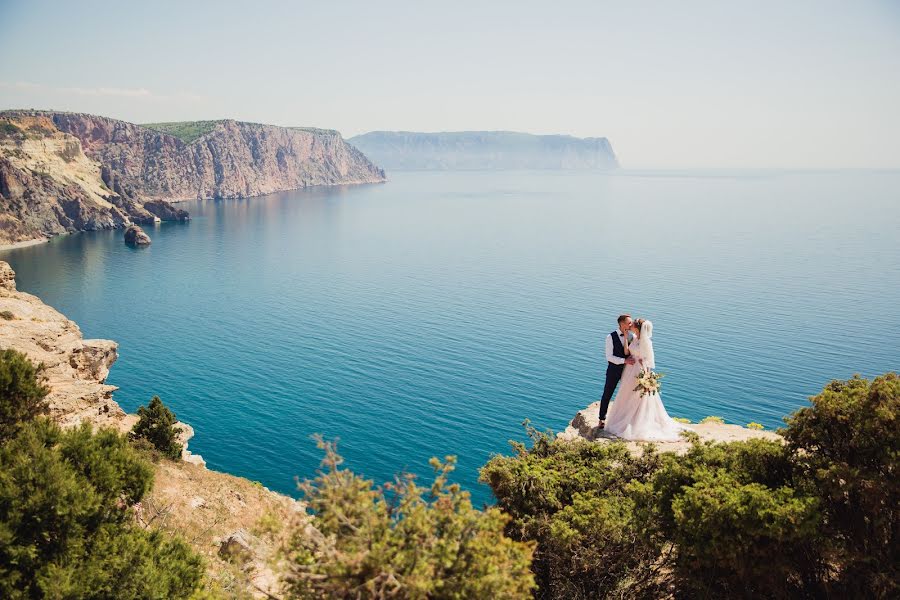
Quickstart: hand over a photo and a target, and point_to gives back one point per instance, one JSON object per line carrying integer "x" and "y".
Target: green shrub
{"x": 846, "y": 447}
{"x": 755, "y": 425}
{"x": 66, "y": 528}
{"x": 403, "y": 541}
{"x": 681, "y": 420}
{"x": 574, "y": 500}
{"x": 712, "y": 419}
{"x": 156, "y": 424}
{"x": 727, "y": 510}
{"x": 22, "y": 392}
{"x": 812, "y": 517}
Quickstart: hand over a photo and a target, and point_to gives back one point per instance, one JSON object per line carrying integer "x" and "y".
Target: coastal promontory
{"x": 65, "y": 172}
{"x": 468, "y": 150}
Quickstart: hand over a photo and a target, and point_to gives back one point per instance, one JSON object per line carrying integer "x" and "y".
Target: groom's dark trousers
{"x": 613, "y": 373}
{"x": 613, "y": 376}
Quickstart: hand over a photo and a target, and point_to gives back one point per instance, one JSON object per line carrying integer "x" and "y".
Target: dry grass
{"x": 204, "y": 507}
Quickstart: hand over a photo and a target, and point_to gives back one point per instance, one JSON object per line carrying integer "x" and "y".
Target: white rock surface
{"x": 585, "y": 426}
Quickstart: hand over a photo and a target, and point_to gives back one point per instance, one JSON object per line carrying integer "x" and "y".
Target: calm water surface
{"x": 431, "y": 315}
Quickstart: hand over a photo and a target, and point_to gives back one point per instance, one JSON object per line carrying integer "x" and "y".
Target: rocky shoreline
{"x": 212, "y": 511}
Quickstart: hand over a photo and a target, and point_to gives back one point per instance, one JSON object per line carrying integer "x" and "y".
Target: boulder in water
{"x": 135, "y": 236}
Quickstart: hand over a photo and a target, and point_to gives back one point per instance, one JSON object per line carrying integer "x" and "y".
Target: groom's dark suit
{"x": 613, "y": 371}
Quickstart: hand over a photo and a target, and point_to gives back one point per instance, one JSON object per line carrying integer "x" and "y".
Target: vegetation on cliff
{"x": 186, "y": 131}
{"x": 66, "y": 520}
{"x": 403, "y": 541}
{"x": 156, "y": 426}
{"x": 813, "y": 517}
{"x": 22, "y": 392}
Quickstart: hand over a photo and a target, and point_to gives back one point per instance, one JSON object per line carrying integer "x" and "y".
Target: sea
{"x": 433, "y": 314}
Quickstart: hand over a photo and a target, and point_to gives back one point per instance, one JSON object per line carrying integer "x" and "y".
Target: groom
{"x": 615, "y": 356}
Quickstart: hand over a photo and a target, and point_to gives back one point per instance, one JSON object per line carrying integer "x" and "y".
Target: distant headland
{"x": 470, "y": 150}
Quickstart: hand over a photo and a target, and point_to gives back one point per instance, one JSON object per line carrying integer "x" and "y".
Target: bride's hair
{"x": 639, "y": 323}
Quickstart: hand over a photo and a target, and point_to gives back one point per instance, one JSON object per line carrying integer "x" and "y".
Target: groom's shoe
{"x": 602, "y": 424}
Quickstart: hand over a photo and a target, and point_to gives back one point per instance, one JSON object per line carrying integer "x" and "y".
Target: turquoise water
{"x": 432, "y": 314}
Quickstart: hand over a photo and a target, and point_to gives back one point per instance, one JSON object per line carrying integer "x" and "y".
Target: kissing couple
{"x": 635, "y": 414}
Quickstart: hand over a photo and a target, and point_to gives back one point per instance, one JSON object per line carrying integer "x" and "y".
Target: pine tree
{"x": 157, "y": 425}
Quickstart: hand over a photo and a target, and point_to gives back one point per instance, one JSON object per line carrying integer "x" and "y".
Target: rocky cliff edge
{"x": 227, "y": 519}
{"x": 585, "y": 426}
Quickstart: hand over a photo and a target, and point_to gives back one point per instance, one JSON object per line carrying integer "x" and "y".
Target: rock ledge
{"x": 584, "y": 427}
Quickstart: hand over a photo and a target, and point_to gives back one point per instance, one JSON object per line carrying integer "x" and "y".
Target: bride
{"x": 631, "y": 416}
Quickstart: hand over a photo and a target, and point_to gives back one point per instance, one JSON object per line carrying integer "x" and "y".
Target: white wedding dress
{"x": 633, "y": 417}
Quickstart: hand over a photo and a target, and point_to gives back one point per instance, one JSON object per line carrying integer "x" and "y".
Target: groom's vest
{"x": 618, "y": 348}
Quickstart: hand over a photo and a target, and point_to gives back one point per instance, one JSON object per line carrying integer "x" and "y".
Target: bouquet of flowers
{"x": 648, "y": 382}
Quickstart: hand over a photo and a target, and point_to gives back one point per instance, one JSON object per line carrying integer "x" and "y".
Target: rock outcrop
{"x": 463, "y": 150}
{"x": 76, "y": 369}
{"x": 585, "y": 426}
{"x": 231, "y": 159}
{"x": 135, "y": 236}
{"x": 49, "y": 186}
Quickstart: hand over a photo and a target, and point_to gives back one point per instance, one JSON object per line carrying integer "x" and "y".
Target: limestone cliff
{"x": 461, "y": 150}
{"x": 49, "y": 186}
{"x": 230, "y": 159}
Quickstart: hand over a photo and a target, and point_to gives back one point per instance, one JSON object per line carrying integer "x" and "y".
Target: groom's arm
{"x": 616, "y": 360}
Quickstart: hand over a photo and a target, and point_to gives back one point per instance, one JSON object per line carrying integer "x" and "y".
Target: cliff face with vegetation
{"x": 216, "y": 159}
{"x": 463, "y": 150}
{"x": 65, "y": 172}
{"x": 49, "y": 186}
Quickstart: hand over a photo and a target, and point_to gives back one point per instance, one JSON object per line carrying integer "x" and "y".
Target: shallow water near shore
{"x": 432, "y": 314}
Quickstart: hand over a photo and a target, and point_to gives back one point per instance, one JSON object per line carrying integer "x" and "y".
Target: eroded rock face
{"x": 49, "y": 186}
{"x": 237, "y": 547}
{"x": 7, "y": 277}
{"x": 76, "y": 368}
{"x": 232, "y": 160}
{"x": 163, "y": 211}
{"x": 135, "y": 236}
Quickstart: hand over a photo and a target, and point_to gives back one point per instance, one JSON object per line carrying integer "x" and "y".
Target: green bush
{"x": 22, "y": 392}
{"x": 812, "y": 517}
{"x": 574, "y": 500}
{"x": 66, "y": 528}
{"x": 846, "y": 447}
{"x": 156, "y": 425}
{"x": 403, "y": 541}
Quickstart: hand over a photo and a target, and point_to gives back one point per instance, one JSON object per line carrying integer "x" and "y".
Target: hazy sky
{"x": 672, "y": 84}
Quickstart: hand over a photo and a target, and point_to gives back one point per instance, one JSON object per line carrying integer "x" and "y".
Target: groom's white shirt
{"x": 609, "y": 349}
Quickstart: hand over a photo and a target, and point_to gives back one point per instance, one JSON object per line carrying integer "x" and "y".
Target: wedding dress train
{"x": 633, "y": 417}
